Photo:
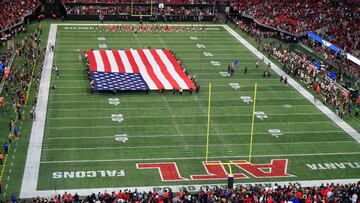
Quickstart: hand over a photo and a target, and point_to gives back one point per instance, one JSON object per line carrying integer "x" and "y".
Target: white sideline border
{"x": 32, "y": 164}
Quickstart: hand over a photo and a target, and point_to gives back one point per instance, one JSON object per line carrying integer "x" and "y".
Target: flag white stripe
{"x": 112, "y": 61}
{"x": 99, "y": 61}
{"x": 125, "y": 60}
{"x": 143, "y": 70}
{"x": 157, "y": 70}
{"x": 171, "y": 69}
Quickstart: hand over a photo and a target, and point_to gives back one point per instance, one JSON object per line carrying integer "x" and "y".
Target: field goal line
{"x": 229, "y": 164}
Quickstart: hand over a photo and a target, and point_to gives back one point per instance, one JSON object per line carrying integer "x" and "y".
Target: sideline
{"x": 31, "y": 171}
{"x": 329, "y": 113}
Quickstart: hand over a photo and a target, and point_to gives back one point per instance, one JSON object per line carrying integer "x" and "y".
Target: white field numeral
{"x": 117, "y": 118}
{"x": 114, "y": 101}
{"x": 275, "y": 132}
{"x": 103, "y": 46}
{"x": 207, "y": 54}
{"x": 261, "y": 115}
{"x": 215, "y": 63}
{"x": 121, "y": 138}
{"x": 235, "y": 85}
{"x": 224, "y": 74}
{"x": 200, "y": 46}
{"x": 246, "y": 99}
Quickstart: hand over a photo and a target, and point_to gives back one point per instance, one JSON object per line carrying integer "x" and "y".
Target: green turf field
{"x": 79, "y": 132}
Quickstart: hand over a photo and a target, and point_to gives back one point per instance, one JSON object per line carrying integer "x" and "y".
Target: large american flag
{"x": 152, "y": 69}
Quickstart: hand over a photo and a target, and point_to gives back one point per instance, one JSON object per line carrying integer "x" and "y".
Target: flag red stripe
{"x": 104, "y": 57}
{"x": 118, "y": 61}
{"x": 92, "y": 64}
{"x": 164, "y": 70}
{"x": 134, "y": 66}
{"x": 149, "y": 70}
{"x": 178, "y": 69}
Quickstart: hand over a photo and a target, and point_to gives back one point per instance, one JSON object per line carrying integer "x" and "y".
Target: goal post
{"x": 208, "y": 133}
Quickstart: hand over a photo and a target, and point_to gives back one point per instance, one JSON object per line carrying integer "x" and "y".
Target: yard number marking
{"x": 103, "y": 46}
{"x": 215, "y": 63}
{"x": 261, "y": 115}
{"x": 224, "y": 74}
{"x": 101, "y": 38}
{"x": 275, "y": 132}
{"x": 246, "y": 99}
{"x": 193, "y": 38}
{"x": 121, "y": 138}
{"x": 200, "y": 46}
{"x": 117, "y": 117}
{"x": 114, "y": 101}
{"x": 207, "y": 54}
{"x": 235, "y": 85}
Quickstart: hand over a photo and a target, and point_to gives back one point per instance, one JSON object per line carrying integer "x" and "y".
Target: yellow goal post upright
{"x": 208, "y": 134}
{"x": 142, "y": 15}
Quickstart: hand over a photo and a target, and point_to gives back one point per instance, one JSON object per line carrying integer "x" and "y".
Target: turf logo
{"x": 87, "y": 174}
{"x": 169, "y": 171}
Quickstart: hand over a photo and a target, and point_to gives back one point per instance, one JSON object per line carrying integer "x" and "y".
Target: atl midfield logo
{"x": 215, "y": 170}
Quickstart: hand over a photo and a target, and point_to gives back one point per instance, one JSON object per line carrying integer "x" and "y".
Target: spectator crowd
{"x": 137, "y": 10}
{"x": 12, "y": 12}
{"x": 338, "y": 21}
{"x": 321, "y": 78}
{"x": 294, "y": 193}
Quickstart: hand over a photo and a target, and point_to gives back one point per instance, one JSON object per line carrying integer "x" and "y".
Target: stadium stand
{"x": 326, "y": 193}
{"x": 169, "y": 10}
{"x": 338, "y": 21}
{"x": 11, "y": 12}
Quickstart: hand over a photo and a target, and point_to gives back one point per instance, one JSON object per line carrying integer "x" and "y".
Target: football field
{"x": 139, "y": 140}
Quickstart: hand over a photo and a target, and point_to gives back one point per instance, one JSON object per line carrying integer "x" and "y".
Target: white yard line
{"x": 186, "y": 125}
{"x": 200, "y": 157}
{"x": 31, "y": 171}
{"x": 185, "y": 135}
{"x": 174, "y": 100}
{"x": 187, "y": 145}
{"x": 336, "y": 119}
{"x": 174, "y": 116}
{"x": 150, "y": 108}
